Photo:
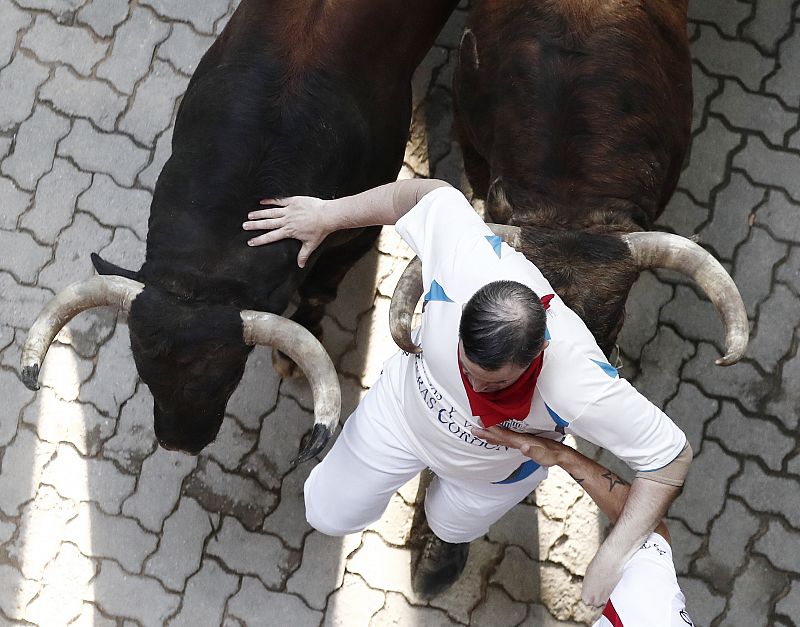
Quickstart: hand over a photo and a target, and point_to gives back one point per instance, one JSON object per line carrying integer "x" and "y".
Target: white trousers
{"x": 351, "y": 488}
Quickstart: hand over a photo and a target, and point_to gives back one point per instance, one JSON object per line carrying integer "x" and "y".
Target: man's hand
{"x": 543, "y": 451}
{"x": 296, "y": 217}
{"x": 602, "y": 576}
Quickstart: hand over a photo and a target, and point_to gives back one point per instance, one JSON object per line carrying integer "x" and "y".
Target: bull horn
{"x": 304, "y": 349}
{"x": 409, "y": 290}
{"x": 98, "y": 291}
{"x": 665, "y": 250}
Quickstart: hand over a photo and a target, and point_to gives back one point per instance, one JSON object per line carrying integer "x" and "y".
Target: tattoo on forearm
{"x": 613, "y": 480}
{"x": 578, "y": 481}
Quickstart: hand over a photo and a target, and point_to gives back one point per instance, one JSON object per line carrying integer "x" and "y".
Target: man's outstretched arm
{"x": 310, "y": 219}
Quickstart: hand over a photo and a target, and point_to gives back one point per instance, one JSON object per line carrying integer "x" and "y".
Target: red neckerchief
{"x": 511, "y": 402}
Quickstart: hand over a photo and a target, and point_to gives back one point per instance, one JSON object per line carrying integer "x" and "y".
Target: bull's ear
{"x": 106, "y": 267}
{"x": 498, "y": 205}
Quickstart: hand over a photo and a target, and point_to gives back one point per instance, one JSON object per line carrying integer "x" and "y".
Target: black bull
{"x": 293, "y": 98}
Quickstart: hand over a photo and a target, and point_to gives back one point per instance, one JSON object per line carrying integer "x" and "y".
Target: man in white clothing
{"x": 498, "y": 348}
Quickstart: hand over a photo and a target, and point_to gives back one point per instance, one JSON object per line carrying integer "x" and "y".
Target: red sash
{"x": 511, "y": 402}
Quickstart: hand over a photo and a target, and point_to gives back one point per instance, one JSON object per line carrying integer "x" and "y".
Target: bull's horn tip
{"x": 316, "y": 442}
{"x": 728, "y": 360}
{"x": 30, "y": 376}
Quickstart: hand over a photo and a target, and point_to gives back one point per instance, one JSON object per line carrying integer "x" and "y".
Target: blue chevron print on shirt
{"x": 437, "y": 293}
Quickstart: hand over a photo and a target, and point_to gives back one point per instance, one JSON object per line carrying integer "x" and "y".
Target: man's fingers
{"x": 267, "y": 238}
{"x": 265, "y": 224}
{"x": 272, "y": 212}
{"x": 277, "y": 202}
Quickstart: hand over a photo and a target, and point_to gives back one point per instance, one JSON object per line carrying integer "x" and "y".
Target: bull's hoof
{"x": 284, "y": 366}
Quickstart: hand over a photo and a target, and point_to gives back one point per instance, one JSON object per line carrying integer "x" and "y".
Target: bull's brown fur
{"x": 574, "y": 118}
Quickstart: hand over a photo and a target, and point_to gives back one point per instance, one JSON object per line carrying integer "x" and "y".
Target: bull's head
{"x": 622, "y": 257}
{"x": 192, "y": 356}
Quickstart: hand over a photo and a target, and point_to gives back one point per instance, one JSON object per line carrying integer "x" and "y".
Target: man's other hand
{"x": 543, "y": 451}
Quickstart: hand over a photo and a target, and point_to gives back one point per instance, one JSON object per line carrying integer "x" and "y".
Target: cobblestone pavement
{"x": 99, "y": 526}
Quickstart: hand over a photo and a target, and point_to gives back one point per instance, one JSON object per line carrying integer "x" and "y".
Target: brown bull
{"x": 574, "y": 118}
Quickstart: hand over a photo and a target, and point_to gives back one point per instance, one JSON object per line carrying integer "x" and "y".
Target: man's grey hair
{"x": 502, "y": 323}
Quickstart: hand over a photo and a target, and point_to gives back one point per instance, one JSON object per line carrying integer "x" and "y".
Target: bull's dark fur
{"x": 295, "y": 97}
{"x": 574, "y": 118}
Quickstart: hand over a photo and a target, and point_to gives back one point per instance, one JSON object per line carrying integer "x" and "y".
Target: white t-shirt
{"x": 648, "y": 594}
{"x": 577, "y": 392}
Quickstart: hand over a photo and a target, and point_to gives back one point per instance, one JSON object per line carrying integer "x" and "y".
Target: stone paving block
{"x": 682, "y": 215}
{"x": 559, "y": 590}
{"x": 556, "y": 495}
{"x": 288, "y": 521}
{"x": 779, "y": 545}
{"x": 52, "y": 42}
{"x": 255, "y": 605}
{"x": 231, "y": 444}
{"x": 770, "y": 166}
{"x": 794, "y": 141}
{"x": 439, "y": 121}
{"x": 785, "y": 404}
{"x": 205, "y": 596}
{"x": 35, "y": 147}
{"x": 661, "y": 365}
{"x": 695, "y": 318}
{"x": 732, "y": 58}
{"x": 384, "y": 567}
{"x": 133, "y": 440}
{"x": 41, "y": 529}
{"x": 781, "y": 217}
{"x": 15, "y": 592}
{"x": 724, "y": 14}
{"x": 583, "y": 535}
{"x": 790, "y": 604}
{"x": 184, "y": 48}
{"x": 278, "y": 444}
{"x": 148, "y": 176}
{"x": 771, "y": 21}
{"x": 54, "y": 202}
{"x": 158, "y": 488}
{"x": 83, "y": 97}
{"x": 519, "y": 528}
{"x": 110, "y": 153}
{"x": 767, "y": 493}
{"x": 753, "y": 271}
{"x": 113, "y": 205}
{"x": 754, "y": 593}
{"x": 518, "y": 575}
{"x": 354, "y": 603}
{"x": 201, "y": 17}
{"x": 322, "y": 567}
{"x": 181, "y": 545}
{"x": 115, "y": 376}
{"x": 153, "y": 104}
{"x": 87, "y": 479}
{"x": 62, "y": 9}
{"x": 114, "y": 537}
{"x": 415, "y": 158}
{"x": 57, "y": 420}
{"x": 706, "y": 168}
{"x": 7, "y": 530}
{"x": 15, "y": 397}
{"x": 499, "y": 610}
{"x": 702, "y": 603}
{"x": 778, "y": 318}
{"x": 257, "y": 393}
{"x": 397, "y": 611}
{"x": 14, "y": 202}
{"x": 395, "y": 524}
{"x": 129, "y": 592}
{"x": 730, "y": 221}
{"x": 261, "y": 555}
{"x": 132, "y": 53}
{"x": 783, "y": 82}
{"x": 789, "y": 270}
{"x": 23, "y": 256}
{"x": 229, "y": 493}
{"x": 538, "y": 616}
{"x": 705, "y": 489}
{"x": 460, "y": 599}
{"x": 18, "y": 84}
{"x": 21, "y": 470}
{"x": 359, "y": 284}
{"x": 12, "y": 20}
{"x": 703, "y": 86}
{"x": 66, "y": 581}
{"x": 690, "y": 409}
{"x": 125, "y": 250}
{"x": 102, "y": 16}
{"x": 727, "y": 545}
{"x": 374, "y": 345}
{"x": 740, "y": 381}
